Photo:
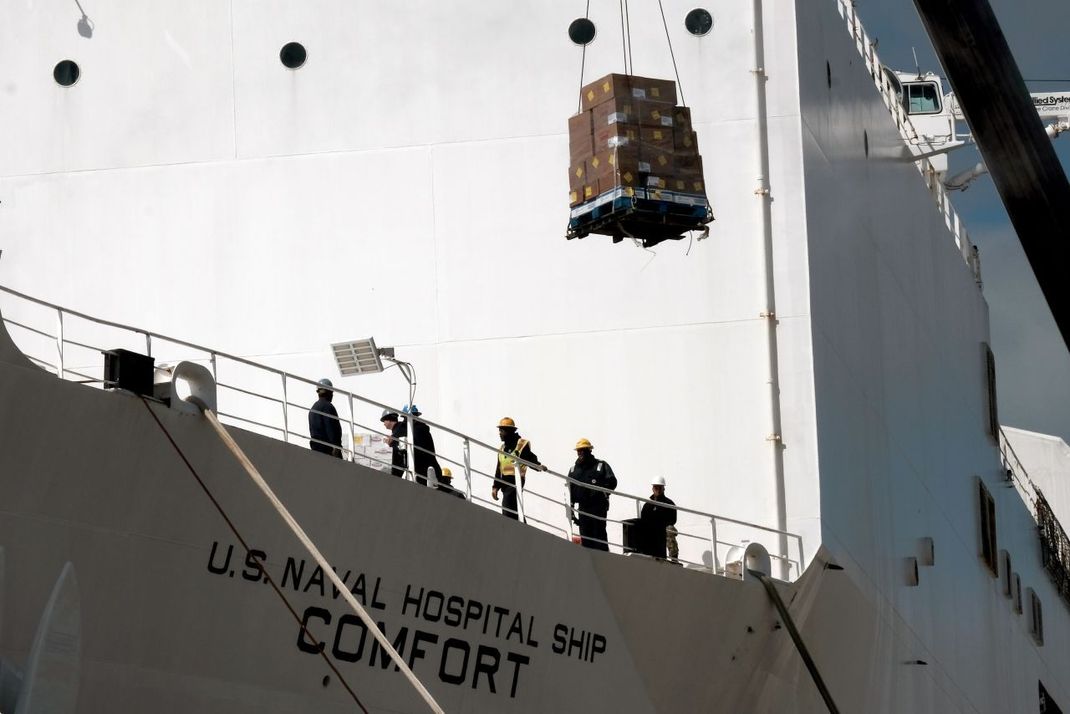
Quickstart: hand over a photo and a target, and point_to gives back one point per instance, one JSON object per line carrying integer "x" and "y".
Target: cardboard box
{"x": 684, "y": 141}
{"x": 580, "y": 134}
{"x": 577, "y": 174}
{"x": 681, "y": 117}
{"x": 653, "y": 90}
{"x": 622, "y": 86}
{"x": 656, "y": 138}
{"x": 605, "y": 164}
{"x": 614, "y": 135}
{"x": 681, "y": 184}
{"x": 688, "y": 165}
{"x": 603, "y": 90}
{"x": 653, "y": 114}
{"x": 612, "y": 113}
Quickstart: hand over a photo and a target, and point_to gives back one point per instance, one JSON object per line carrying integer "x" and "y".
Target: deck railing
{"x": 867, "y": 49}
{"x": 259, "y": 398}
{"x": 1054, "y": 543}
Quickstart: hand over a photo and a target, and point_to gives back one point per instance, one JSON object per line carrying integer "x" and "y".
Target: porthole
{"x": 293, "y": 54}
{"x": 66, "y": 73}
{"x": 698, "y": 22}
{"x": 581, "y": 31}
{"x": 828, "y": 74}
{"x": 865, "y": 143}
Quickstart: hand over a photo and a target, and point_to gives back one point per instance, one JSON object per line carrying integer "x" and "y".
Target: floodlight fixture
{"x": 357, "y": 357}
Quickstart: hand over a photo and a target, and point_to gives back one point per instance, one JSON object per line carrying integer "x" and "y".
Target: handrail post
{"x": 568, "y": 511}
{"x": 148, "y": 344}
{"x": 799, "y": 543}
{"x": 352, "y": 431}
{"x": 468, "y": 469}
{"x": 285, "y": 412}
{"x": 215, "y": 368}
{"x": 518, "y": 479}
{"x": 410, "y": 454}
{"x": 713, "y": 544}
{"x": 59, "y": 343}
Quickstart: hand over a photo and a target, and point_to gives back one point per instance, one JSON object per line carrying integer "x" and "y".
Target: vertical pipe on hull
{"x": 769, "y": 297}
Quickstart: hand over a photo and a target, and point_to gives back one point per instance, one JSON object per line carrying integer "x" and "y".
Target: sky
{"x": 1032, "y": 361}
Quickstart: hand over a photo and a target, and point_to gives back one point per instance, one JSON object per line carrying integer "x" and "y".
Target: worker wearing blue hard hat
{"x": 423, "y": 447}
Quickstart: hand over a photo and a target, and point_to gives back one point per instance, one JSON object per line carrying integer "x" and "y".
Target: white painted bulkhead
{"x": 1047, "y": 460}
{"x": 408, "y": 183}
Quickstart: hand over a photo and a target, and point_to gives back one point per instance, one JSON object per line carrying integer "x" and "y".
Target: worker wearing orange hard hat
{"x": 513, "y": 448}
{"x": 592, "y": 504}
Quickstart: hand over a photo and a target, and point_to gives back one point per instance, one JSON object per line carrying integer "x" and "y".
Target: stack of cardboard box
{"x": 631, "y": 135}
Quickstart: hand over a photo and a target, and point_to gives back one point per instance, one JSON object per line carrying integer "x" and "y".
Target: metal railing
{"x": 1054, "y": 543}
{"x": 258, "y": 398}
{"x": 867, "y": 49}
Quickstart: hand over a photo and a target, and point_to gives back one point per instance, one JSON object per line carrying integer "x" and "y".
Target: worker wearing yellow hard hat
{"x": 513, "y": 448}
{"x": 592, "y": 503}
{"x": 445, "y": 483}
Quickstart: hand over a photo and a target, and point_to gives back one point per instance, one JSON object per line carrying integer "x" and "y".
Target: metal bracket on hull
{"x": 187, "y": 387}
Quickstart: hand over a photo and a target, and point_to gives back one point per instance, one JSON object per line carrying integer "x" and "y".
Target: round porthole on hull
{"x": 698, "y": 22}
{"x": 293, "y": 55}
{"x": 581, "y": 31}
{"x": 66, "y": 73}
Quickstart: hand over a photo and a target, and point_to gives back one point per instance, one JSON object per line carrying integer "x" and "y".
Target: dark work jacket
{"x": 422, "y": 439}
{"x": 324, "y": 428}
{"x": 658, "y": 517}
{"x": 446, "y": 488}
{"x": 593, "y": 471}
{"x": 397, "y": 449}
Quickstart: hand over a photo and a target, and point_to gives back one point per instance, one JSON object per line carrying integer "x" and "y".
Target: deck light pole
{"x": 362, "y": 356}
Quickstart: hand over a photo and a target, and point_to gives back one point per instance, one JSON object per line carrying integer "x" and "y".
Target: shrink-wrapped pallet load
{"x": 630, "y": 134}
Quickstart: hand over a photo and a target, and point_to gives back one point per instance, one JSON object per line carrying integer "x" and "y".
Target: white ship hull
{"x": 408, "y": 182}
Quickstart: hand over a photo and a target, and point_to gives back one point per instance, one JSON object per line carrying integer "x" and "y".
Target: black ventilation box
{"x": 128, "y": 370}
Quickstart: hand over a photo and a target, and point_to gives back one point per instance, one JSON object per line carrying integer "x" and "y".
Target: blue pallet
{"x": 640, "y": 215}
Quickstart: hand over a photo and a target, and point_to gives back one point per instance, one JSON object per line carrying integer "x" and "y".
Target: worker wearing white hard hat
{"x": 655, "y": 520}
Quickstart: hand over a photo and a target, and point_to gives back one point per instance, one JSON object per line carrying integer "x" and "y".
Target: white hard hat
{"x": 658, "y": 481}
{"x": 325, "y": 384}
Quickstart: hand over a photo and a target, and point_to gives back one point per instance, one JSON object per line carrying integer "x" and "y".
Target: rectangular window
{"x": 992, "y": 416}
{"x": 1008, "y": 581}
{"x": 922, "y": 98}
{"x": 1018, "y": 593}
{"x": 987, "y": 507}
{"x": 1036, "y": 625}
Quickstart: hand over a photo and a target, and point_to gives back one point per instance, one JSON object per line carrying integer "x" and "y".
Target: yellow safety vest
{"x": 506, "y": 461}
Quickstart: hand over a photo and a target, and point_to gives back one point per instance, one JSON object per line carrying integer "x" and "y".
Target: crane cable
{"x": 299, "y": 532}
{"x": 675, "y": 70}
{"x": 583, "y": 62}
{"x": 626, "y": 47}
{"x": 259, "y": 564}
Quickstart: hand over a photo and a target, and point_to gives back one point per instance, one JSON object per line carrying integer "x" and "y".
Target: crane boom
{"x": 1011, "y": 138}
